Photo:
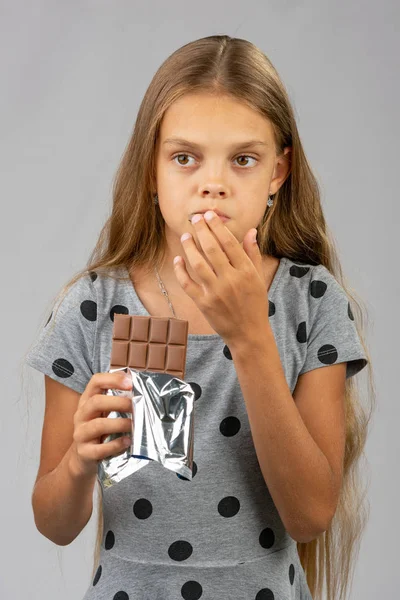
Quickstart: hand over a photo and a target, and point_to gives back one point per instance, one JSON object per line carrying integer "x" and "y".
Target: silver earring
{"x": 156, "y": 199}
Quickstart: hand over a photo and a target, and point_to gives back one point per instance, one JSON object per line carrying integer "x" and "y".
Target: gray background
{"x": 73, "y": 75}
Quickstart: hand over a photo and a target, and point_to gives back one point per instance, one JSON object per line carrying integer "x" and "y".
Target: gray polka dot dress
{"x": 218, "y": 536}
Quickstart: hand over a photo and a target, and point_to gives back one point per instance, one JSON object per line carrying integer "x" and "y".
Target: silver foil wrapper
{"x": 162, "y": 427}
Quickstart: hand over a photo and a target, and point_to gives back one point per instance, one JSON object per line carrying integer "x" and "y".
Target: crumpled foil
{"x": 162, "y": 426}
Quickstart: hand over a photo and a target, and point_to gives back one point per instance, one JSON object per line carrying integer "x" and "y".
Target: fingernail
{"x": 127, "y": 382}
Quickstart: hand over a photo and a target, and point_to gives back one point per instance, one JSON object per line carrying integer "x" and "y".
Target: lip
{"x": 222, "y": 215}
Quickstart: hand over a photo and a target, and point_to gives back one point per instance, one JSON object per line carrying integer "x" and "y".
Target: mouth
{"x": 221, "y": 215}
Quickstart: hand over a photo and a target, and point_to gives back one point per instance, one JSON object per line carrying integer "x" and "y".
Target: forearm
{"x": 62, "y": 501}
{"x": 294, "y": 468}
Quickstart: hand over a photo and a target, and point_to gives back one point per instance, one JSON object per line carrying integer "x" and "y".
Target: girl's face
{"x": 204, "y": 160}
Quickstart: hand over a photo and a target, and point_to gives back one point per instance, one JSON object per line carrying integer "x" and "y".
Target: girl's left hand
{"x": 232, "y": 294}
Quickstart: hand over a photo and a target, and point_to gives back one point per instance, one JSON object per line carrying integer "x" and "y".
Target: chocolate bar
{"x": 147, "y": 343}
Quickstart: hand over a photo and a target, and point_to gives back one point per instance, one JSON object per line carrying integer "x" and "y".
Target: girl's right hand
{"x": 91, "y": 424}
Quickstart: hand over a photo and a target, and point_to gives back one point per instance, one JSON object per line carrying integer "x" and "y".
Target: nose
{"x": 213, "y": 190}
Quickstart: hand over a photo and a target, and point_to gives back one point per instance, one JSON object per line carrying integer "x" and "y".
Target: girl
{"x": 273, "y": 509}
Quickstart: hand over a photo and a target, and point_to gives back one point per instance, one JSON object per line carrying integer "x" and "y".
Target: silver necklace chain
{"x": 164, "y": 291}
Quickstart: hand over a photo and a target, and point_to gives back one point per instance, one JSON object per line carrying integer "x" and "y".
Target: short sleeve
{"x": 332, "y": 336}
{"x": 64, "y": 348}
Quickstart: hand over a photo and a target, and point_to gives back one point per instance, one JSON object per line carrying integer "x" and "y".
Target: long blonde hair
{"x": 295, "y": 228}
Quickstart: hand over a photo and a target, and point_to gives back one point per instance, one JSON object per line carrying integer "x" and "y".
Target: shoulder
{"x": 79, "y": 294}
{"x": 92, "y": 284}
{"x": 80, "y": 297}
{"x": 315, "y": 297}
{"x": 311, "y": 292}
{"x": 111, "y": 286}
{"x": 326, "y": 290}
{"x": 315, "y": 279}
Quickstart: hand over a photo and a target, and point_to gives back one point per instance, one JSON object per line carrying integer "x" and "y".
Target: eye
{"x": 184, "y": 155}
{"x": 179, "y": 156}
{"x": 246, "y": 156}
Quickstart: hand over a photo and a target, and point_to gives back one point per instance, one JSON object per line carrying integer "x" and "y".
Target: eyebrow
{"x": 244, "y": 144}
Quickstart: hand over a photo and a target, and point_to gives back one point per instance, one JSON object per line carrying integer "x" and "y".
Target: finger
{"x": 103, "y": 404}
{"x": 190, "y": 287}
{"x": 228, "y": 241}
{"x": 97, "y": 452}
{"x": 96, "y": 428}
{"x": 197, "y": 261}
{"x": 253, "y": 251}
{"x": 210, "y": 243}
{"x": 105, "y": 381}
{"x": 112, "y": 448}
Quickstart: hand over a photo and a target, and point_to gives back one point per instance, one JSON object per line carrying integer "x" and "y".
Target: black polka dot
{"x": 97, "y": 576}
{"x": 194, "y": 471}
{"x": 229, "y": 506}
{"x": 296, "y": 271}
{"x": 142, "y": 508}
{"x": 191, "y": 590}
{"x": 267, "y": 538}
{"x": 89, "y": 310}
{"x": 327, "y": 354}
{"x": 197, "y": 390}
{"x": 291, "y": 574}
{"x": 180, "y": 550}
{"x": 271, "y": 308}
{"x": 49, "y": 319}
{"x": 349, "y": 312}
{"x": 93, "y": 275}
{"x": 121, "y": 596}
{"x": 62, "y": 368}
{"x": 301, "y": 334}
{"x": 229, "y": 426}
{"x": 119, "y": 309}
{"x": 265, "y": 594}
{"x": 110, "y": 540}
{"x": 227, "y": 353}
{"x": 317, "y": 288}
